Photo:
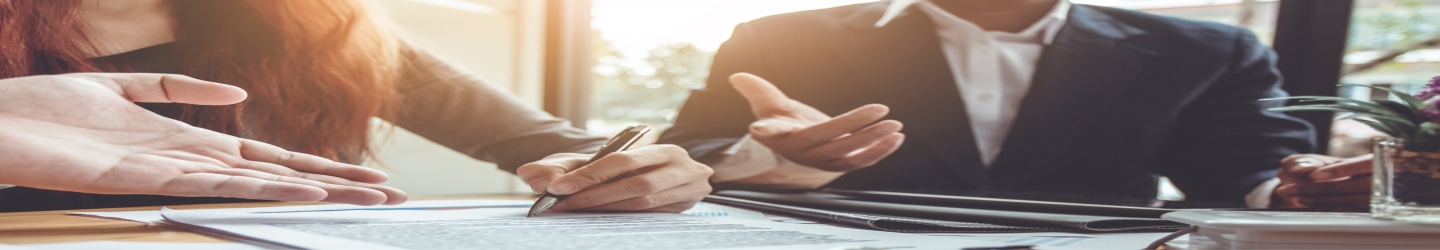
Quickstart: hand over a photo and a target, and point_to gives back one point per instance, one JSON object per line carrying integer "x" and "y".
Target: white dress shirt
{"x": 993, "y": 70}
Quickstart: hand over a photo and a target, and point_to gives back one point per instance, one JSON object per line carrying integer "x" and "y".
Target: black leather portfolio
{"x": 906, "y": 217}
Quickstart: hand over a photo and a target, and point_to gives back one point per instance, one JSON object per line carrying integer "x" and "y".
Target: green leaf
{"x": 1365, "y": 104}
{"x": 1378, "y": 127}
{"x": 1410, "y": 100}
{"x": 1403, "y": 127}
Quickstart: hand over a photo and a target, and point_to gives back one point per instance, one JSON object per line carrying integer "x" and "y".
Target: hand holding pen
{"x": 653, "y": 178}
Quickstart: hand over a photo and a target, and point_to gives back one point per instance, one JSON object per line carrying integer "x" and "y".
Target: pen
{"x": 618, "y": 143}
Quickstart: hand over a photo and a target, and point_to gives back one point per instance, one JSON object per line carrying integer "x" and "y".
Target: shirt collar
{"x": 1050, "y": 23}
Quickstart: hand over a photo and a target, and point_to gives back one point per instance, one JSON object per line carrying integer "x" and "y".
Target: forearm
{"x": 458, "y": 110}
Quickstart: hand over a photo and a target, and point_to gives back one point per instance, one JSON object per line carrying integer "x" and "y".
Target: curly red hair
{"x": 317, "y": 71}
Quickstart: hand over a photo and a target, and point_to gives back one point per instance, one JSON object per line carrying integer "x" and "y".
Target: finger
{"x": 856, "y": 141}
{"x": 838, "y": 126}
{"x": 673, "y": 208}
{"x": 334, "y": 193}
{"x": 539, "y": 174}
{"x": 688, "y": 193}
{"x": 640, "y": 185}
{"x": 867, "y": 157}
{"x": 766, "y": 130}
{"x": 763, "y": 96}
{"x": 613, "y": 165}
{"x": 1347, "y": 167}
{"x": 261, "y": 152}
{"x": 1338, "y": 203}
{"x": 1312, "y": 158}
{"x": 391, "y": 195}
{"x": 147, "y": 87}
{"x": 218, "y": 185}
{"x": 1296, "y": 168}
{"x": 1351, "y": 186}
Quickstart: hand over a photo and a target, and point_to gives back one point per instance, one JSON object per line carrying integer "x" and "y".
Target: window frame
{"x": 1310, "y": 39}
{"x": 567, "y": 83}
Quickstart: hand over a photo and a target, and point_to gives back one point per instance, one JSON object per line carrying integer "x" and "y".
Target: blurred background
{"x": 607, "y": 64}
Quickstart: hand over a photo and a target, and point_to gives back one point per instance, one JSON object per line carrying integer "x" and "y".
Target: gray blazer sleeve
{"x": 459, "y": 110}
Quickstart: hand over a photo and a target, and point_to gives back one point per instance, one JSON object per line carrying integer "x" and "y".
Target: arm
{"x": 459, "y": 110}
{"x": 83, "y": 133}
{"x": 1226, "y": 142}
{"x": 788, "y": 143}
{"x": 717, "y": 116}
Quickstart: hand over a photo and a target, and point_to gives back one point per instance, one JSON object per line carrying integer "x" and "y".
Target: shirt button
{"x": 986, "y": 97}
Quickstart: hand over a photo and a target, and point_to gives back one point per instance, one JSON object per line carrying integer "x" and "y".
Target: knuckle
{"x": 644, "y": 202}
{"x": 589, "y": 177}
{"x": 646, "y": 185}
{"x": 670, "y": 148}
{"x": 626, "y": 158}
{"x": 582, "y": 202}
{"x": 284, "y": 156}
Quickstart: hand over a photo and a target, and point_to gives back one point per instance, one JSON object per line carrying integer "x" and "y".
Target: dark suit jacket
{"x": 1119, "y": 97}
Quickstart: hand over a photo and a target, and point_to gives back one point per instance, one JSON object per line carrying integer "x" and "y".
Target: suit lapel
{"x": 1082, "y": 72}
{"x": 902, "y": 64}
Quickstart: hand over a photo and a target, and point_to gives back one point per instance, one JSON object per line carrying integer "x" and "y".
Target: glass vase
{"x": 1407, "y": 183}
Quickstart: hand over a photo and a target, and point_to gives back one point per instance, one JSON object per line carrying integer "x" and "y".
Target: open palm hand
{"x": 82, "y": 133}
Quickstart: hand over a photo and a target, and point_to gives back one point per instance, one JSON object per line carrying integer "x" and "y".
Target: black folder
{"x": 900, "y": 217}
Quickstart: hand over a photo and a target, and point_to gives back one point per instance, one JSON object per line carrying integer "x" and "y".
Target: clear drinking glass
{"x": 1407, "y": 183}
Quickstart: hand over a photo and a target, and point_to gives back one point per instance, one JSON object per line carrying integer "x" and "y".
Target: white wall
{"x": 500, "y": 40}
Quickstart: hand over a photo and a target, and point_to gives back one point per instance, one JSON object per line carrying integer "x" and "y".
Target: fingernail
{"x": 1321, "y": 174}
{"x": 563, "y": 188}
{"x": 764, "y": 129}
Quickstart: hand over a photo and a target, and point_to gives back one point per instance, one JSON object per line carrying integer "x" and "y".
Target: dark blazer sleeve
{"x": 716, "y": 116}
{"x": 1226, "y": 142}
{"x": 459, "y": 110}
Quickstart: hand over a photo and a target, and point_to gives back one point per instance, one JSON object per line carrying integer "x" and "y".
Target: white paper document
{"x": 154, "y": 215}
{"x": 716, "y": 210}
{"x": 508, "y": 228}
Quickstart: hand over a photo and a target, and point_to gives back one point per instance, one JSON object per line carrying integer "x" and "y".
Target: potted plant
{"x": 1407, "y": 166}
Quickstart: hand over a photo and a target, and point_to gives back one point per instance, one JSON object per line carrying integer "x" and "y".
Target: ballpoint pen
{"x": 618, "y": 143}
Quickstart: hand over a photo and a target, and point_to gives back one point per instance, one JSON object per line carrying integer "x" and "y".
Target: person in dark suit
{"x": 1035, "y": 96}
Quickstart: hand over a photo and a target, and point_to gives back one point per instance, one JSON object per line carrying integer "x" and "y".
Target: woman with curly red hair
{"x": 315, "y": 72}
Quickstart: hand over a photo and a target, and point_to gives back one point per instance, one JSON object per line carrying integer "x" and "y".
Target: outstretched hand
{"x": 805, "y": 135}
{"x": 83, "y": 133}
{"x": 1324, "y": 182}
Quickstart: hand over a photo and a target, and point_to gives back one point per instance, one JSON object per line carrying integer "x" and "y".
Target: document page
{"x": 508, "y": 228}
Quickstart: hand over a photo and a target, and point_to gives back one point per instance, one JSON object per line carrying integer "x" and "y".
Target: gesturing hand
{"x": 1324, "y": 182}
{"x": 83, "y": 133}
{"x": 809, "y": 137}
{"x": 655, "y": 178}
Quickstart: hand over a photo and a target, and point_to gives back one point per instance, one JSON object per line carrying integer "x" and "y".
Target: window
{"x": 1257, "y": 15}
{"x": 650, "y": 53}
{"x": 501, "y": 41}
{"x": 1392, "y": 43}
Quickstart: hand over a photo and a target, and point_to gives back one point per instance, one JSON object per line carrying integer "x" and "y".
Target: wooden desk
{"x": 58, "y": 227}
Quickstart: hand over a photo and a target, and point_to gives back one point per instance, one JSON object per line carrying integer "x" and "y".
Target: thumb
{"x": 146, "y": 87}
{"x": 763, "y": 96}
